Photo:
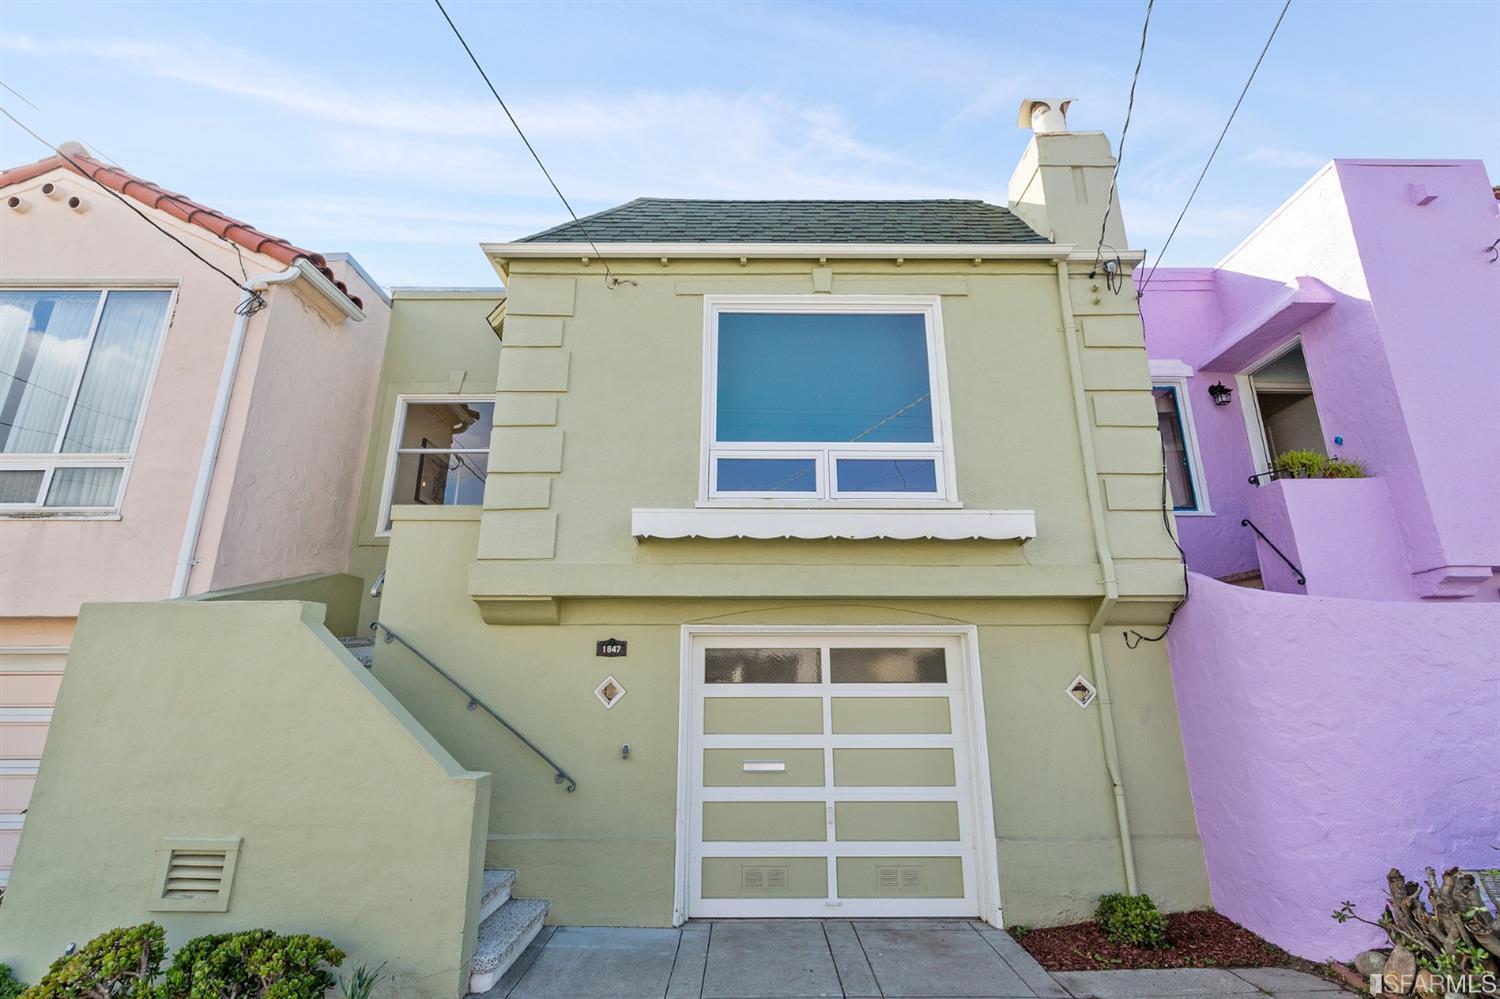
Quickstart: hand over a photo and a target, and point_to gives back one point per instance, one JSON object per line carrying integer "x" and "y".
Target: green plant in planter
{"x": 1300, "y": 465}
{"x": 119, "y": 964}
{"x": 1344, "y": 468}
{"x": 1132, "y": 920}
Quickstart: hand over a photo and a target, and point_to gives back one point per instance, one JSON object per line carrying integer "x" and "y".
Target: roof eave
{"x": 342, "y": 304}
{"x": 847, "y": 251}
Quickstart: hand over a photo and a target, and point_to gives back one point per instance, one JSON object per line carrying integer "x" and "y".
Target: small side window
{"x": 1178, "y": 453}
{"x": 440, "y": 450}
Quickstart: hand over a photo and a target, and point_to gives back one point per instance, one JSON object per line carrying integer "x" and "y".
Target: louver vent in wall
{"x": 195, "y": 875}
{"x": 896, "y": 879}
{"x": 763, "y": 879}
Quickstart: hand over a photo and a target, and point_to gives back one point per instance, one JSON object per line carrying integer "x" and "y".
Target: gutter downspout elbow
{"x": 1107, "y": 567}
{"x": 186, "y": 556}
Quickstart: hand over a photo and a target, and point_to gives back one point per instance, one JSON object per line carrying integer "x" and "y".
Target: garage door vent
{"x": 899, "y": 878}
{"x": 195, "y": 875}
{"x": 763, "y": 879}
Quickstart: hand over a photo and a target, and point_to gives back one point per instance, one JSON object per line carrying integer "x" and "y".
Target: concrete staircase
{"x": 361, "y": 648}
{"x": 506, "y": 926}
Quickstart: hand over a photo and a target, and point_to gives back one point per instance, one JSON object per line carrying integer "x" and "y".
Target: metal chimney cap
{"x": 1044, "y": 114}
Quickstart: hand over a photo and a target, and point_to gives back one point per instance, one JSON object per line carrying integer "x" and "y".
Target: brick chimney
{"x": 1061, "y": 185}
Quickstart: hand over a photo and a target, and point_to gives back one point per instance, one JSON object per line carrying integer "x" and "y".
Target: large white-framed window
{"x": 439, "y": 453}
{"x": 76, "y": 366}
{"x": 1181, "y": 459}
{"x": 825, "y": 400}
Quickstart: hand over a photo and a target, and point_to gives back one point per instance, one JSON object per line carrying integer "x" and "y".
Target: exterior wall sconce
{"x": 1220, "y": 393}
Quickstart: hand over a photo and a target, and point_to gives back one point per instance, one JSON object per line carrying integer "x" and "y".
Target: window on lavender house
{"x": 1178, "y": 464}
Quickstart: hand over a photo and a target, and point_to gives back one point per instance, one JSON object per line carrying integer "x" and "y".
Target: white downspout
{"x": 1111, "y": 585}
{"x": 186, "y": 557}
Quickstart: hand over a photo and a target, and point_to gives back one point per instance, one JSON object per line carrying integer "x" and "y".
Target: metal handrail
{"x": 559, "y": 774}
{"x": 1272, "y": 475}
{"x": 1301, "y": 579}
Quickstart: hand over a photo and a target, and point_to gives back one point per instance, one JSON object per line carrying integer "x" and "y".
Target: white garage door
{"x": 831, "y": 775}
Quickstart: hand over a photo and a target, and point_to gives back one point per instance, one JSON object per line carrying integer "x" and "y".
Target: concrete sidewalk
{"x": 860, "y": 959}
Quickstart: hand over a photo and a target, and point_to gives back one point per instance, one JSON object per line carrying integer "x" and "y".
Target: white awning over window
{"x": 944, "y": 525}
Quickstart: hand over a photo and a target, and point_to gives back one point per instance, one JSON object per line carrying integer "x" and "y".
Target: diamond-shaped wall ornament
{"x": 609, "y": 692}
{"x": 1081, "y": 691}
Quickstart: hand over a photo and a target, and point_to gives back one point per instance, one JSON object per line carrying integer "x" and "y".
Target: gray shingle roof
{"x": 674, "y": 220}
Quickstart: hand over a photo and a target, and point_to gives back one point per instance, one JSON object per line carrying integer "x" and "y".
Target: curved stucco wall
{"x": 1328, "y": 740}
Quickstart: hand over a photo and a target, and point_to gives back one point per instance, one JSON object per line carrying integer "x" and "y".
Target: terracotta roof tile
{"x": 176, "y": 205}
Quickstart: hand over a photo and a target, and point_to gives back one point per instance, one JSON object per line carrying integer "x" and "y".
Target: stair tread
{"x": 499, "y": 934}
{"x": 496, "y": 881}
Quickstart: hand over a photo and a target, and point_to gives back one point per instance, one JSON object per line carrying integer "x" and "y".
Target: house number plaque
{"x": 610, "y": 648}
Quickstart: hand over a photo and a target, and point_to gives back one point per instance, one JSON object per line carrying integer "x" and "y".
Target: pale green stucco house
{"x": 804, "y": 543}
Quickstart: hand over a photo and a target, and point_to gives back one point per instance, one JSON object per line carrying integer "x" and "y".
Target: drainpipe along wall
{"x": 1107, "y": 564}
{"x": 187, "y": 555}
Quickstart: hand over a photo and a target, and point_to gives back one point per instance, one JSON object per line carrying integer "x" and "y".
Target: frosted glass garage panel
{"x": 762, "y": 666}
{"x": 823, "y": 378}
{"x": 888, "y": 666}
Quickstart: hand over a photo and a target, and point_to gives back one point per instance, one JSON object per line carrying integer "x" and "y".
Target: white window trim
{"x": 49, "y": 463}
{"x": 826, "y": 452}
{"x": 1178, "y": 383}
{"x": 398, "y": 427}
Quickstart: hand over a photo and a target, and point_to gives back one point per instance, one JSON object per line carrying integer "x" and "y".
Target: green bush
{"x": 253, "y": 963}
{"x": 9, "y": 987}
{"x": 1132, "y": 920}
{"x": 1344, "y": 468}
{"x": 1300, "y": 465}
{"x": 121, "y": 964}
{"x": 1312, "y": 465}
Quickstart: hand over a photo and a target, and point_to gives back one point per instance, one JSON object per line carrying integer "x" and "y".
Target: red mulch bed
{"x": 1199, "y": 940}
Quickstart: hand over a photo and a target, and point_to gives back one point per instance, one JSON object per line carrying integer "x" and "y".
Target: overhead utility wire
{"x": 1120, "y": 154}
{"x": 249, "y": 307}
{"x": 1246, "y": 89}
{"x": 609, "y": 277}
{"x": 29, "y": 103}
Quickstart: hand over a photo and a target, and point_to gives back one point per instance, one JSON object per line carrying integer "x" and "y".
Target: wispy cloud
{"x": 1284, "y": 159}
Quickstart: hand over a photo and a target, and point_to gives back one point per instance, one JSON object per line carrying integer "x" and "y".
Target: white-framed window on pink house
{"x": 76, "y": 365}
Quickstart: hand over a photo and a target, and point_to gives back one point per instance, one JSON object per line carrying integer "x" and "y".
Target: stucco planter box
{"x": 1342, "y": 534}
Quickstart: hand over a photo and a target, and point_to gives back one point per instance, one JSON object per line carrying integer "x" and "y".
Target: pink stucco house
{"x": 1361, "y": 320}
{"x": 158, "y": 438}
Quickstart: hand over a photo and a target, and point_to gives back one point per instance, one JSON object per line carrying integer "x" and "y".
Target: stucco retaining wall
{"x": 1328, "y": 740}
{"x": 247, "y": 719}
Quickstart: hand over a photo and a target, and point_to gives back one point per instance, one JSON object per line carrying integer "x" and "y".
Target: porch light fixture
{"x": 1220, "y": 393}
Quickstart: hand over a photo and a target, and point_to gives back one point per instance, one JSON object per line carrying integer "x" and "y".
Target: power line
{"x": 1124, "y": 131}
{"x": 248, "y": 307}
{"x": 19, "y": 94}
{"x": 609, "y": 277}
{"x": 34, "y": 107}
{"x": 1235, "y": 110}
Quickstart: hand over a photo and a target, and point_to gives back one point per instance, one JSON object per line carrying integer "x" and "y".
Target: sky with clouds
{"x": 361, "y": 126}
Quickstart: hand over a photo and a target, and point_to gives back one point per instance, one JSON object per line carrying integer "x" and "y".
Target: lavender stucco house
{"x": 1361, "y": 321}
